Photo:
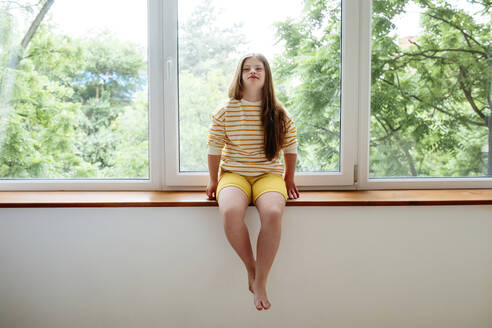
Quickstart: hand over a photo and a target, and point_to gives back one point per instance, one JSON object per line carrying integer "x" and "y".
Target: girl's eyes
{"x": 258, "y": 69}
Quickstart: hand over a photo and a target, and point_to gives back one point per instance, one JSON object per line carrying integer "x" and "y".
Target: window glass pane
{"x": 301, "y": 40}
{"x": 73, "y": 89}
{"x": 430, "y": 89}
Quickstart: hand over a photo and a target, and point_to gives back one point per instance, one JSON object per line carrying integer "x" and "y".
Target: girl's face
{"x": 253, "y": 73}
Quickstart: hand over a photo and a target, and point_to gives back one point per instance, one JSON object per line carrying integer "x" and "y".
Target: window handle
{"x": 169, "y": 64}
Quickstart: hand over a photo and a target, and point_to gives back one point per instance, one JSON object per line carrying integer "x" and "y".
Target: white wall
{"x": 421, "y": 266}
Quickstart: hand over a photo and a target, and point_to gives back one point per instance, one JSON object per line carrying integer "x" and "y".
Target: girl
{"x": 254, "y": 127}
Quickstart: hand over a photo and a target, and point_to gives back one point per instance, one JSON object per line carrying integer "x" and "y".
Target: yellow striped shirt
{"x": 236, "y": 133}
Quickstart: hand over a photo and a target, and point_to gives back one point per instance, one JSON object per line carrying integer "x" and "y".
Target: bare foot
{"x": 251, "y": 279}
{"x": 261, "y": 300}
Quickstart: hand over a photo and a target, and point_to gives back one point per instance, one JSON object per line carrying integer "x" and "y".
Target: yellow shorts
{"x": 257, "y": 185}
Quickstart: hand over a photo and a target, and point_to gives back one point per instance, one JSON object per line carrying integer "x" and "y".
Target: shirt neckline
{"x": 244, "y": 101}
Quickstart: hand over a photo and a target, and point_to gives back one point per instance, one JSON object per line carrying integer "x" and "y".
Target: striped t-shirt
{"x": 237, "y": 126}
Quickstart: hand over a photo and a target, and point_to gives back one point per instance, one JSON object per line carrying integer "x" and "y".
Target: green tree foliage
{"x": 204, "y": 43}
{"x": 107, "y": 81}
{"x": 70, "y": 105}
{"x": 39, "y": 137}
{"x": 429, "y": 109}
{"x": 430, "y": 102}
{"x": 308, "y": 81}
{"x": 130, "y": 157}
{"x": 118, "y": 67}
{"x": 208, "y": 54}
{"x": 37, "y": 133}
{"x": 6, "y": 42}
{"x": 77, "y": 108}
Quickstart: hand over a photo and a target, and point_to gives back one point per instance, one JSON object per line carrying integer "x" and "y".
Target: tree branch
{"x": 416, "y": 54}
{"x": 329, "y": 132}
{"x": 35, "y": 24}
{"x": 466, "y": 35}
{"x": 17, "y": 56}
{"x": 411, "y": 162}
{"x": 408, "y": 95}
{"x": 388, "y": 133}
{"x": 483, "y": 54}
{"x": 406, "y": 150}
{"x": 48, "y": 52}
{"x": 468, "y": 95}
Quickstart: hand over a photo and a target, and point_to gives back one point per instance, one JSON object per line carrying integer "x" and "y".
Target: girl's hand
{"x": 292, "y": 191}
{"x": 211, "y": 189}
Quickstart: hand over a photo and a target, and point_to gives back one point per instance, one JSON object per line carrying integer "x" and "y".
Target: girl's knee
{"x": 277, "y": 211}
{"x": 232, "y": 215}
{"x": 271, "y": 214}
{"x": 231, "y": 211}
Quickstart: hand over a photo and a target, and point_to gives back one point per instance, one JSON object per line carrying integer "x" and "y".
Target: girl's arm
{"x": 216, "y": 141}
{"x": 213, "y": 166}
{"x": 213, "y": 169}
{"x": 290, "y": 160}
{"x": 290, "y": 165}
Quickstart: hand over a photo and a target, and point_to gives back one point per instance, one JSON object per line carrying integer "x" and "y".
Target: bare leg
{"x": 270, "y": 205}
{"x": 233, "y": 203}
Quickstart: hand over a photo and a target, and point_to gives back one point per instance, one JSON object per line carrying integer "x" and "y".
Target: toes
{"x": 262, "y": 304}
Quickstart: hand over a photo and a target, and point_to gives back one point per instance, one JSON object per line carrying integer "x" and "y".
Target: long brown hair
{"x": 273, "y": 115}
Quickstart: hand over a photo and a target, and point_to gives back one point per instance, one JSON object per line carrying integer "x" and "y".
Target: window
{"x": 74, "y": 93}
{"x": 307, "y": 67}
{"x": 430, "y": 109}
{"x": 393, "y": 95}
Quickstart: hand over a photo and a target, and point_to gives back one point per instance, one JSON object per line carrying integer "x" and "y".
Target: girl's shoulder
{"x": 226, "y": 105}
{"x": 289, "y": 119}
{"x": 287, "y": 113}
{"x": 232, "y": 103}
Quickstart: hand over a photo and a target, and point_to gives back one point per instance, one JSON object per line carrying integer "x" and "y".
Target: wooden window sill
{"x": 195, "y": 198}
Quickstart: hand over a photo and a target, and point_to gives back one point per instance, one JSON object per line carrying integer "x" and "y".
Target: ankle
{"x": 260, "y": 283}
{"x": 251, "y": 268}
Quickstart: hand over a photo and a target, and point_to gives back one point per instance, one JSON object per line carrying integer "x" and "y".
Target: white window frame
{"x": 329, "y": 180}
{"x": 156, "y": 136}
{"x": 364, "y": 182}
{"x": 163, "y": 119}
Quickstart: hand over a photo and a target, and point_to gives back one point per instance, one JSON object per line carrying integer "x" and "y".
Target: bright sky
{"x": 128, "y": 19}
{"x": 257, "y": 16}
{"x": 407, "y": 24}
